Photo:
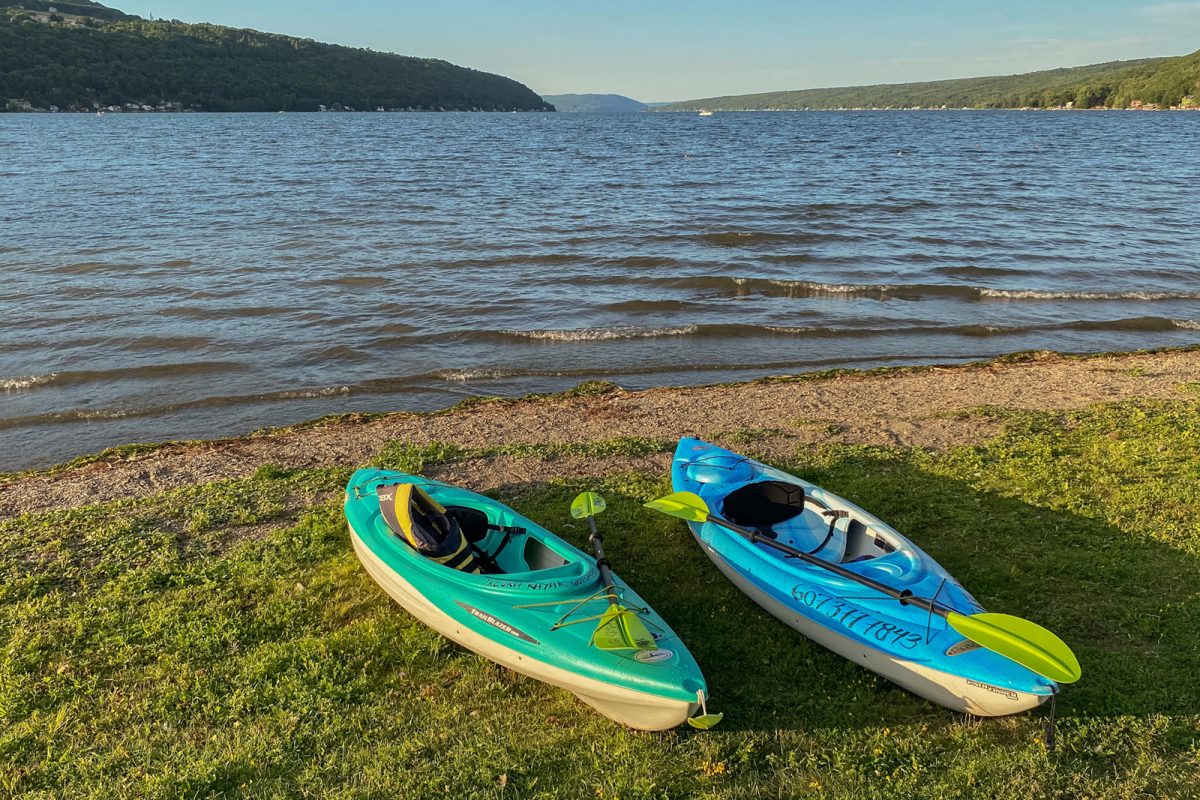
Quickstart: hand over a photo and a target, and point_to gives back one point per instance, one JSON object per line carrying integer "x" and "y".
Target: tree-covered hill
{"x": 82, "y": 56}
{"x": 594, "y": 103}
{"x": 1162, "y": 82}
{"x": 86, "y": 8}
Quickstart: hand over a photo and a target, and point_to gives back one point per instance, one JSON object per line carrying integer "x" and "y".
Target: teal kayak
{"x": 520, "y": 596}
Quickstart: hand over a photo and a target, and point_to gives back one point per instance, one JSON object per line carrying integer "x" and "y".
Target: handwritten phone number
{"x": 853, "y": 618}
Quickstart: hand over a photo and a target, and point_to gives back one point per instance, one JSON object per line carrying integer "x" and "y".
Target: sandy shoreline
{"x": 906, "y": 407}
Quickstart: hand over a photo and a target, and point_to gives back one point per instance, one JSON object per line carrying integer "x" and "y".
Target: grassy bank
{"x": 222, "y": 640}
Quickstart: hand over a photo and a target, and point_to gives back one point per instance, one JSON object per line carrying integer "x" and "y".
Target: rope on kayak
{"x": 834, "y": 515}
{"x": 359, "y": 494}
{"x": 710, "y": 461}
{"x": 603, "y": 595}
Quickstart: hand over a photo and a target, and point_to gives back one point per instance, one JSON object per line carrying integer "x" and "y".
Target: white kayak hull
{"x": 944, "y": 688}
{"x": 634, "y": 709}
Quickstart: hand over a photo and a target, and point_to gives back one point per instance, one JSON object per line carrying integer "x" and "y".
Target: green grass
{"x": 216, "y": 642}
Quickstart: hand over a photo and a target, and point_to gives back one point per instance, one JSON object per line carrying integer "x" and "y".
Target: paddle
{"x": 620, "y": 628}
{"x": 1025, "y": 642}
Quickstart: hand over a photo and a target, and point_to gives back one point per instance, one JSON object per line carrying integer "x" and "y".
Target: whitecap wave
{"x": 465, "y": 375}
{"x": 307, "y": 394}
{"x": 815, "y": 288}
{"x": 26, "y": 381}
{"x": 1035, "y": 294}
{"x": 602, "y": 334}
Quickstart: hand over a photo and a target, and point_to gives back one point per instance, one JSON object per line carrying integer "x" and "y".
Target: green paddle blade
{"x": 684, "y": 505}
{"x": 588, "y": 504}
{"x": 622, "y": 629}
{"x": 705, "y": 721}
{"x": 1025, "y": 642}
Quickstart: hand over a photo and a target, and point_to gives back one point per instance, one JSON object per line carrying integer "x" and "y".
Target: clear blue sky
{"x": 681, "y": 49}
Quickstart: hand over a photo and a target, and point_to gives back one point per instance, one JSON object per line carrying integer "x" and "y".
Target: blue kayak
{"x": 906, "y": 645}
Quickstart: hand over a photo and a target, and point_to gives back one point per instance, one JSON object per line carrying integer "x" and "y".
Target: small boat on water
{"x": 704, "y": 112}
{"x": 790, "y": 520}
{"x": 506, "y": 588}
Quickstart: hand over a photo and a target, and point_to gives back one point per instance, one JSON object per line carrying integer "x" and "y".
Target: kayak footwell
{"x": 635, "y": 709}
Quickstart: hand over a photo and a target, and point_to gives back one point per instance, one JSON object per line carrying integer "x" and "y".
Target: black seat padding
{"x": 763, "y": 504}
{"x": 474, "y": 523}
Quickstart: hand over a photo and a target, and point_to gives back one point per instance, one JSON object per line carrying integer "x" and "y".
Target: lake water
{"x": 181, "y": 276}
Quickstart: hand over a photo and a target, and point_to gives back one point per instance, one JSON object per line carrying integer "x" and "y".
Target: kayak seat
{"x": 474, "y": 523}
{"x": 423, "y": 524}
{"x": 476, "y": 526}
{"x": 763, "y": 504}
{"x": 777, "y": 509}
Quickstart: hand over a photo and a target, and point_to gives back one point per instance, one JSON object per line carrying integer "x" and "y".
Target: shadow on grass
{"x": 1127, "y": 605}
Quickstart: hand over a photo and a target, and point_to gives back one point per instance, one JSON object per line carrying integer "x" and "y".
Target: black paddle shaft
{"x": 601, "y": 562}
{"x": 905, "y": 597}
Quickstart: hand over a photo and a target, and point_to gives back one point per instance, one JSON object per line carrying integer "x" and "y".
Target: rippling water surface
{"x": 204, "y": 275}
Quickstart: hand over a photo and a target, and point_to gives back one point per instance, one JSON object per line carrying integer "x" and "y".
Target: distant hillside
{"x": 88, "y": 55}
{"x": 1161, "y": 82}
{"x": 79, "y": 7}
{"x": 594, "y": 103}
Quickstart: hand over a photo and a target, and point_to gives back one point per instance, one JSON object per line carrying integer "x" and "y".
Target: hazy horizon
{"x": 673, "y": 51}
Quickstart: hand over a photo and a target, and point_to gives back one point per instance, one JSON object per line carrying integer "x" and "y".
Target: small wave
{"x": 1035, "y": 294}
{"x": 774, "y": 287}
{"x": 522, "y": 259}
{"x": 355, "y": 281}
{"x": 26, "y": 382}
{"x": 307, "y": 394}
{"x": 88, "y": 267}
{"x": 600, "y": 334}
{"x": 1145, "y": 324}
{"x": 481, "y": 373}
{"x": 392, "y": 328}
{"x": 976, "y": 271}
{"x": 1187, "y": 324}
{"x": 643, "y": 262}
{"x": 147, "y": 343}
{"x": 215, "y": 294}
{"x": 752, "y": 238}
{"x": 92, "y": 414}
{"x": 337, "y": 352}
{"x": 648, "y": 306}
{"x": 749, "y": 330}
{"x": 229, "y": 312}
{"x": 150, "y": 371}
{"x": 794, "y": 259}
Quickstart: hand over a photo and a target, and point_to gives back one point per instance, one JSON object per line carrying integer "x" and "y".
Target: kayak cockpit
{"x": 805, "y": 517}
{"x": 433, "y": 525}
